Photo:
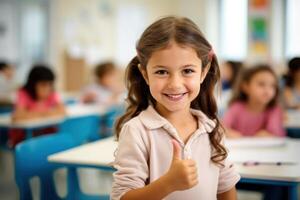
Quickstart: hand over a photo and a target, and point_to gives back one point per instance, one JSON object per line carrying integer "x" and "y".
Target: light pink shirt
{"x": 145, "y": 153}
{"x": 25, "y": 101}
{"x": 239, "y": 118}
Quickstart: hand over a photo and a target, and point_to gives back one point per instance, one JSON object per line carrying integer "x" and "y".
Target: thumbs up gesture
{"x": 182, "y": 174}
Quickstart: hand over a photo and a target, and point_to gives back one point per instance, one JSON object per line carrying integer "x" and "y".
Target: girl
{"x": 170, "y": 140}
{"x": 253, "y": 109}
{"x": 292, "y": 89}
{"x": 36, "y": 99}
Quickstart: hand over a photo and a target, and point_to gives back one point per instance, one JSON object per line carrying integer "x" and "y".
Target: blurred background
{"x": 73, "y": 35}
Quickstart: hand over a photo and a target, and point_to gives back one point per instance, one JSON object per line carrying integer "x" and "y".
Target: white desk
{"x": 72, "y": 111}
{"x": 76, "y": 110}
{"x": 96, "y": 154}
{"x": 287, "y": 153}
{"x": 100, "y": 154}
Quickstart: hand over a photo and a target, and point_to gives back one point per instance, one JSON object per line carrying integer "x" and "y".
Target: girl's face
{"x": 174, "y": 75}
{"x": 261, "y": 88}
{"x": 44, "y": 89}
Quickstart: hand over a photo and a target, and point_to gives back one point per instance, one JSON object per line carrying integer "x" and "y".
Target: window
{"x": 233, "y": 35}
{"x": 292, "y": 28}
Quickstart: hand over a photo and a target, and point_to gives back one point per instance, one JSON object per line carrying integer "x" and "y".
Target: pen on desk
{"x": 255, "y": 163}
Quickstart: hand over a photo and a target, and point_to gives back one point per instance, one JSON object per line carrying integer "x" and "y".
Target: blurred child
{"x": 36, "y": 99}
{"x": 107, "y": 89}
{"x": 229, "y": 73}
{"x": 253, "y": 109}
{"x": 291, "y": 94}
{"x": 7, "y": 86}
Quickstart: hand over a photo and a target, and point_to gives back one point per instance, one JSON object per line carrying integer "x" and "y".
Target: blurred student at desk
{"x": 291, "y": 91}
{"x": 107, "y": 89}
{"x": 254, "y": 110}
{"x": 36, "y": 99}
{"x": 7, "y": 88}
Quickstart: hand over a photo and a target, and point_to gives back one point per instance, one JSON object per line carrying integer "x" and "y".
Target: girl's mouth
{"x": 175, "y": 97}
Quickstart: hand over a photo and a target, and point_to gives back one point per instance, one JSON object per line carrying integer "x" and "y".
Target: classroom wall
{"x": 92, "y": 29}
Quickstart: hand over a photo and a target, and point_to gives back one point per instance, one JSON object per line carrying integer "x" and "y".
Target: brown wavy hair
{"x": 156, "y": 37}
{"x": 246, "y": 76}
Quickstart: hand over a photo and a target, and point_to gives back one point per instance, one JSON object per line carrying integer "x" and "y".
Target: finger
{"x": 176, "y": 150}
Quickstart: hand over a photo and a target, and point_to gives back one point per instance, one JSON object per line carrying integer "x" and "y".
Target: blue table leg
{"x": 293, "y": 191}
{"x": 73, "y": 184}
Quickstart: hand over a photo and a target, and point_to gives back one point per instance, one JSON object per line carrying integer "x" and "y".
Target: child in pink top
{"x": 36, "y": 99}
{"x": 253, "y": 109}
{"x": 170, "y": 140}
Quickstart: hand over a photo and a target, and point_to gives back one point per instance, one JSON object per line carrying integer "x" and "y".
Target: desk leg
{"x": 73, "y": 184}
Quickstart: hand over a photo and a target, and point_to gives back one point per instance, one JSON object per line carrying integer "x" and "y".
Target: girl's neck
{"x": 176, "y": 118}
{"x": 255, "y": 106}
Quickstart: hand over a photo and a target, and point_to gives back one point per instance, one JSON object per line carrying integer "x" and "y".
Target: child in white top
{"x": 107, "y": 89}
{"x": 7, "y": 85}
{"x": 170, "y": 139}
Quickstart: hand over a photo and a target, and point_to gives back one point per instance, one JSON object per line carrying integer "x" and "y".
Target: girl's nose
{"x": 175, "y": 82}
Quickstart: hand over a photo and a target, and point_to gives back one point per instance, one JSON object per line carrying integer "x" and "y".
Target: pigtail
{"x": 206, "y": 102}
{"x": 138, "y": 94}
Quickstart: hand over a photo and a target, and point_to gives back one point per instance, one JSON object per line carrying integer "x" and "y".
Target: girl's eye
{"x": 188, "y": 71}
{"x": 161, "y": 72}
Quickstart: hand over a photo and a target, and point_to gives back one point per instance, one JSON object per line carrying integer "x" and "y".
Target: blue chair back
{"x": 31, "y": 160}
{"x": 108, "y": 120}
{"x": 82, "y": 129}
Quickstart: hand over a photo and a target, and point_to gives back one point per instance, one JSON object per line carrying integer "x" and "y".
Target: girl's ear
{"x": 204, "y": 72}
{"x": 144, "y": 73}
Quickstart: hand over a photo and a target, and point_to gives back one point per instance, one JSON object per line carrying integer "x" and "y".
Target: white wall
{"x": 101, "y": 30}
{"x": 8, "y": 32}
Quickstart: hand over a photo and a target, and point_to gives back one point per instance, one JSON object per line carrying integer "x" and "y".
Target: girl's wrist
{"x": 167, "y": 184}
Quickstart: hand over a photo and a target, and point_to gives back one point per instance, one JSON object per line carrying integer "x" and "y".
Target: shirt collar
{"x": 153, "y": 120}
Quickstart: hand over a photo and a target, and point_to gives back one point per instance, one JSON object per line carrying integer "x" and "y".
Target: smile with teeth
{"x": 175, "y": 97}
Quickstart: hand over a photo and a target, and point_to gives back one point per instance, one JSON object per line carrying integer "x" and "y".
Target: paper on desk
{"x": 263, "y": 150}
{"x": 253, "y": 142}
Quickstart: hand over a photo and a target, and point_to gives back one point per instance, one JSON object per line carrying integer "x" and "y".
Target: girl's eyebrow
{"x": 159, "y": 66}
{"x": 184, "y": 66}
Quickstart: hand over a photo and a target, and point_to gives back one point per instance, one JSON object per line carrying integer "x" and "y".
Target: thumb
{"x": 176, "y": 150}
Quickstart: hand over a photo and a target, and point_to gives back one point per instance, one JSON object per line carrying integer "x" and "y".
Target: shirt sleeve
{"x": 22, "y": 100}
{"x": 228, "y": 177}
{"x": 130, "y": 162}
{"x": 56, "y": 99}
{"x": 274, "y": 123}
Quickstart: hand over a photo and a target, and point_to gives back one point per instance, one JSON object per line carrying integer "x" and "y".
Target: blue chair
{"x": 108, "y": 120}
{"x": 82, "y": 129}
{"x": 6, "y": 109}
{"x": 31, "y": 160}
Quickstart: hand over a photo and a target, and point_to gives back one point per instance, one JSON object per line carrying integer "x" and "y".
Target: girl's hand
{"x": 233, "y": 134}
{"x": 263, "y": 133}
{"x": 182, "y": 174}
